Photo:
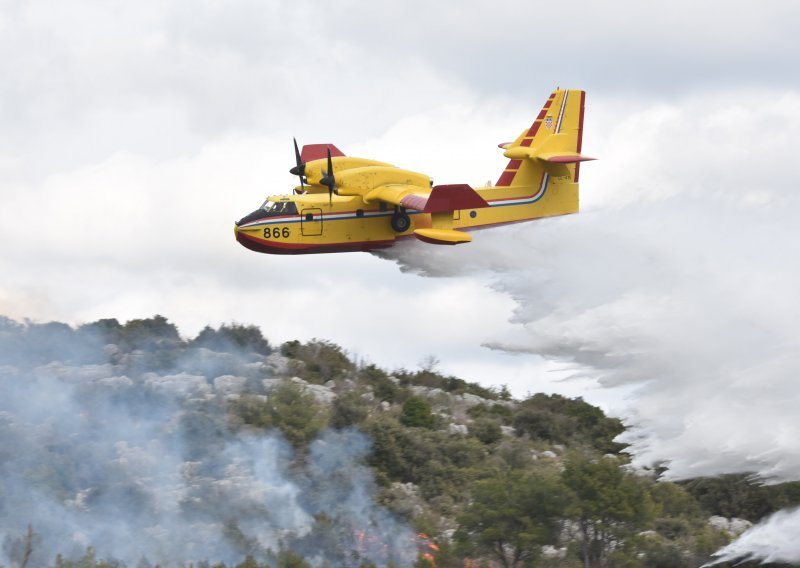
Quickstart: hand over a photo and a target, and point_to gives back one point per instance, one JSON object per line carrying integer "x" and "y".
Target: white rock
{"x": 738, "y": 526}
{"x": 278, "y": 363}
{"x": 508, "y": 431}
{"x": 733, "y": 526}
{"x": 115, "y": 382}
{"x": 229, "y": 384}
{"x": 182, "y": 384}
{"x": 322, "y": 394}
{"x": 458, "y": 429}
{"x": 271, "y": 384}
{"x": 549, "y": 551}
{"x": 470, "y": 399}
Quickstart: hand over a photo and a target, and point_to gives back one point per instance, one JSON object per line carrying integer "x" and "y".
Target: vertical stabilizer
{"x": 551, "y": 146}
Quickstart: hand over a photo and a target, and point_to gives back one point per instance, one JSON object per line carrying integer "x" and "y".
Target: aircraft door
{"x": 311, "y": 222}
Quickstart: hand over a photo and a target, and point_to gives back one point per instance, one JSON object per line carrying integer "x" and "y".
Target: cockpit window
{"x": 279, "y": 207}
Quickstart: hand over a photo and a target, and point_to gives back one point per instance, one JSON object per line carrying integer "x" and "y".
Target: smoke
{"x": 677, "y": 280}
{"x": 99, "y": 448}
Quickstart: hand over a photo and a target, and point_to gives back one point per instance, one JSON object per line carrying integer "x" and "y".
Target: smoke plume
{"x": 678, "y": 279}
{"x": 136, "y": 458}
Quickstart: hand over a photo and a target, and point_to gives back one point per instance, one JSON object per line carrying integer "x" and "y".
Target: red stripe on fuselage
{"x": 275, "y": 247}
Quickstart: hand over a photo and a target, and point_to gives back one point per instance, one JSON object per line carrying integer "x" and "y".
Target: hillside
{"x": 126, "y": 444}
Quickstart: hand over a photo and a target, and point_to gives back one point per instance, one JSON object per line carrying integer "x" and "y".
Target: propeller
{"x": 328, "y": 179}
{"x": 300, "y": 169}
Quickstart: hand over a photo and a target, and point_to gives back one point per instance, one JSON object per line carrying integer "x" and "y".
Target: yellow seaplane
{"x": 355, "y": 204}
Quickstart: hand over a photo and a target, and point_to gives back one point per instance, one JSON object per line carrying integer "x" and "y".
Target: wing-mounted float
{"x": 345, "y": 203}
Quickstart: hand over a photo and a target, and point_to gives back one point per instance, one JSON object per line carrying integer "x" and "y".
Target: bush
{"x": 319, "y": 360}
{"x": 383, "y": 387}
{"x": 417, "y": 413}
{"x": 289, "y": 408}
{"x": 561, "y": 420}
{"x": 486, "y": 430}
{"x": 348, "y": 410}
{"x": 231, "y": 338}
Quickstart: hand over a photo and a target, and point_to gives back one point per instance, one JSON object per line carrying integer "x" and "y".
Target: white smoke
{"x": 679, "y": 278}
{"x": 146, "y": 465}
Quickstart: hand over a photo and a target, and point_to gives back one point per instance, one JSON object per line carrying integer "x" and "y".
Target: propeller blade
{"x": 299, "y": 169}
{"x": 328, "y": 179}
{"x": 297, "y": 158}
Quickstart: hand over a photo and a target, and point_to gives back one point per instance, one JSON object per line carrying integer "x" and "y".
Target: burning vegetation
{"x": 126, "y": 444}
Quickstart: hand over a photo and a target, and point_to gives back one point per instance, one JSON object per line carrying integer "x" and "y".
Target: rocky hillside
{"x": 126, "y": 444}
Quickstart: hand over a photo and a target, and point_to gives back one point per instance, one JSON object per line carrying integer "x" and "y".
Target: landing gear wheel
{"x": 401, "y": 221}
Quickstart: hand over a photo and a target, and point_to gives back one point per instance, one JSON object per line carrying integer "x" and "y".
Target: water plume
{"x": 678, "y": 280}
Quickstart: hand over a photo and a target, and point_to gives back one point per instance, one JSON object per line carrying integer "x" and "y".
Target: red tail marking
{"x": 318, "y": 152}
{"x": 580, "y": 135}
{"x": 506, "y": 178}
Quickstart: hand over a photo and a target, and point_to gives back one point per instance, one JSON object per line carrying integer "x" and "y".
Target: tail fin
{"x": 551, "y": 145}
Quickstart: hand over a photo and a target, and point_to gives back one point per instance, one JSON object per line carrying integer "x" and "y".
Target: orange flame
{"x": 427, "y": 548}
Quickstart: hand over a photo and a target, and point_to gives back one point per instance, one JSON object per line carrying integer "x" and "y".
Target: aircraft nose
{"x": 257, "y": 214}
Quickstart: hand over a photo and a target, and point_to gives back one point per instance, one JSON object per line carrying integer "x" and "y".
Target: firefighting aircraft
{"x": 354, "y": 204}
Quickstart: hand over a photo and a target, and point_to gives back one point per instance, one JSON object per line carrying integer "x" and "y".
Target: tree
{"x": 19, "y": 550}
{"x": 348, "y": 410}
{"x": 742, "y": 496}
{"x": 610, "y": 505}
{"x": 289, "y": 408}
{"x": 511, "y": 518}
{"x": 417, "y": 413}
{"x": 563, "y": 420}
{"x": 289, "y": 559}
{"x": 317, "y": 361}
{"x": 486, "y": 430}
{"x": 233, "y": 337}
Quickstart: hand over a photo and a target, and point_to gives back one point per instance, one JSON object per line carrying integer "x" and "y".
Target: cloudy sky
{"x": 133, "y": 134}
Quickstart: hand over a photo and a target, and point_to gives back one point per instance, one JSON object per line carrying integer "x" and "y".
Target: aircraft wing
{"x": 438, "y": 199}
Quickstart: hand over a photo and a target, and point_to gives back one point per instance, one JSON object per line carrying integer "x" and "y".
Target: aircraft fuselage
{"x": 318, "y": 224}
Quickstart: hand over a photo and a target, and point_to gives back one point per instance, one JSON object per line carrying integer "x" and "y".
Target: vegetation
{"x": 289, "y": 409}
{"x": 492, "y": 481}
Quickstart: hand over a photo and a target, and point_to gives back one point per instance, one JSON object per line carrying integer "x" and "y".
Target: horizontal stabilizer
{"x": 564, "y": 158}
{"x": 554, "y": 157}
{"x": 442, "y": 236}
{"x": 313, "y": 152}
{"x": 453, "y": 198}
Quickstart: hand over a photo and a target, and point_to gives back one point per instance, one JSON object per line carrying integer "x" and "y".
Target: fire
{"x": 427, "y": 549}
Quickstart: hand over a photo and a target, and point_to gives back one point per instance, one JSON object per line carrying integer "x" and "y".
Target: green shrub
{"x": 417, "y": 413}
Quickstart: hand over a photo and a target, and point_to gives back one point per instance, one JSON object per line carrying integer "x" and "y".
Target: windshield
{"x": 279, "y": 207}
